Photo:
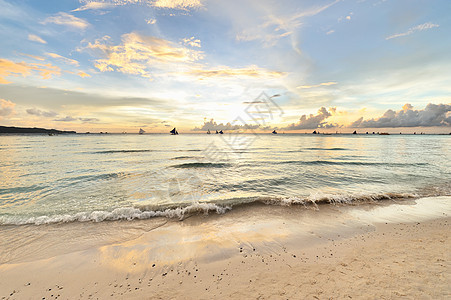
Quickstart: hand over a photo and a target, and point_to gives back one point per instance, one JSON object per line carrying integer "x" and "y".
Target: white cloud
{"x": 38, "y": 112}
{"x": 193, "y": 42}
{"x": 35, "y": 38}
{"x": 313, "y": 121}
{"x": 274, "y": 27}
{"x": 62, "y": 58}
{"x": 151, "y": 21}
{"x": 212, "y": 125}
{"x": 68, "y": 20}
{"x": 164, "y": 4}
{"x": 94, "y": 6}
{"x": 431, "y": 115}
{"x": 411, "y": 30}
{"x": 6, "y": 107}
{"x": 178, "y": 4}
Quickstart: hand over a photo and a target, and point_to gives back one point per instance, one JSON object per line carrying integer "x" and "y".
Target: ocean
{"x": 95, "y": 178}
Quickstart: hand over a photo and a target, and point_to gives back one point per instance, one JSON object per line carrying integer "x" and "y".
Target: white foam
{"x": 126, "y": 213}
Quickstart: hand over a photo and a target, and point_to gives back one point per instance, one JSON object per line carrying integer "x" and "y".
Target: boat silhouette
{"x": 220, "y": 132}
{"x": 208, "y": 132}
{"x": 174, "y": 131}
{"x": 274, "y": 132}
{"x": 141, "y": 131}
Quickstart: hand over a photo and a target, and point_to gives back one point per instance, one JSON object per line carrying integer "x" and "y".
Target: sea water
{"x": 93, "y": 177}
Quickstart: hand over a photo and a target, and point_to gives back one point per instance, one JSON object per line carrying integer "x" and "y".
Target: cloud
{"x": 6, "y": 107}
{"x": 33, "y": 56}
{"x": 151, "y": 21}
{"x": 35, "y": 38}
{"x": 68, "y": 20}
{"x": 431, "y": 115}
{"x": 163, "y": 4}
{"x": 38, "y": 112}
{"x": 64, "y": 59}
{"x": 137, "y": 54}
{"x": 83, "y": 74}
{"x": 94, "y": 6}
{"x": 192, "y": 42}
{"x": 212, "y": 125}
{"x": 72, "y": 119}
{"x": 313, "y": 121}
{"x": 10, "y": 68}
{"x": 276, "y": 27}
{"x": 51, "y": 98}
{"x": 89, "y": 120}
{"x": 66, "y": 119}
{"x": 251, "y": 71}
{"x": 411, "y": 30}
{"x": 178, "y": 4}
{"x": 316, "y": 85}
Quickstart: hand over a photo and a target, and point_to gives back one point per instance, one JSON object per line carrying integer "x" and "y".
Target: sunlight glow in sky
{"x": 121, "y": 65}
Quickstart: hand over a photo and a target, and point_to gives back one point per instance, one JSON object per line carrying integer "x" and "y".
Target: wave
{"x": 328, "y": 149}
{"x": 122, "y": 151}
{"x": 185, "y": 157}
{"x": 356, "y": 163}
{"x": 200, "y": 165}
{"x": 219, "y": 207}
{"x": 125, "y": 213}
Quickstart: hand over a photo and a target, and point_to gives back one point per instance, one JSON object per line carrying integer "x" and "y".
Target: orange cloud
{"x": 137, "y": 53}
{"x": 316, "y": 85}
{"x": 251, "y": 71}
{"x": 83, "y": 74}
{"x": 10, "y": 68}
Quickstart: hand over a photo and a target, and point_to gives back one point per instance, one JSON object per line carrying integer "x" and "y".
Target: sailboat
{"x": 174, "y": 131}
{"x": 217, "y": 132}
{"x": 208, "y": 132}
{"x": 274, "y": 132}
{"x": 141, "y": 131}
{"x": 220, "y": 132}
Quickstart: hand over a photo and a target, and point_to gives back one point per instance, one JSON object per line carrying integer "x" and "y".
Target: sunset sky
{"x": 121, "y": 65}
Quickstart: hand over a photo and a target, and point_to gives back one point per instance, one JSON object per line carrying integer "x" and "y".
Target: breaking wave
{"x": 181, "y": 212}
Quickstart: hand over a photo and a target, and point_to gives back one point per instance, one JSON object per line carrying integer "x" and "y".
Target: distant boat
{"x": 355, "y": 132}
{"x": 274, "y": 132}
{"x": 217, "y": 132}
{"x": 174, "y": 131}
{"x": 208, "y": 132}
{"x": 141, "y": 131}
{"x": 220, "y": 132}
{"x": 384, "y": 133}
{"x": 314, "y": 132}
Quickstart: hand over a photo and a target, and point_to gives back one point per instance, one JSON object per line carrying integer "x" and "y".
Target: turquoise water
{"x": 48, "y": 179}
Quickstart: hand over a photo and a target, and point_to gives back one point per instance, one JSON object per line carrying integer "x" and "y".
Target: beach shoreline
{"x": 361, "y": 251}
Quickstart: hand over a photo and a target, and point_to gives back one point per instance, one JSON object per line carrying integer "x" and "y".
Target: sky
{"x": 236, "y": 65}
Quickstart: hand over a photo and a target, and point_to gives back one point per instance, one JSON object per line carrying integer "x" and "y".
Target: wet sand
{"x": 384, "y": 251}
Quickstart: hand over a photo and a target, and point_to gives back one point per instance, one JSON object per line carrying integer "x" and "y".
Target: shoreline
{"x": 379, "y": 251}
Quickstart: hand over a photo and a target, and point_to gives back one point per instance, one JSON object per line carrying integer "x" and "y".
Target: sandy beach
{"x": 388, "y": 251}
